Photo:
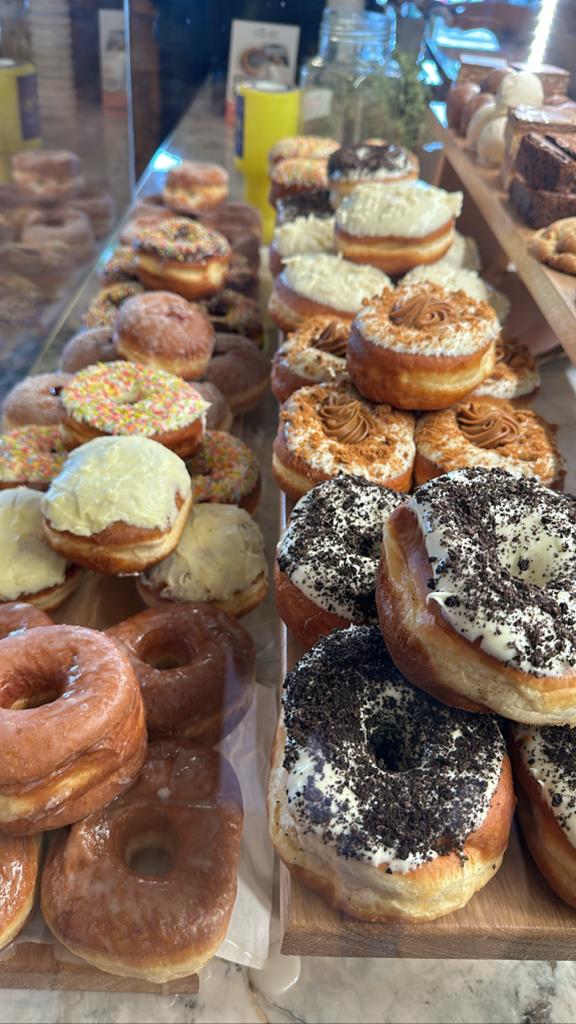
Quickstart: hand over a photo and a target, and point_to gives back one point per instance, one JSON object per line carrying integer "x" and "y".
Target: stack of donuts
{"x": 425, "y": 569}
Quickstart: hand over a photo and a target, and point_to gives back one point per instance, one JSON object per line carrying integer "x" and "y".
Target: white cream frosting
{"x": 27, "y": 562}
{"x": 304, "y": 234}
{"x": 454, "y": 279}
{"x": 333, "y": 281}
{"x": 410, "y": 210}
{"x": 463, "y": 254}
{"x": 129, "y": 480}
{"x": 555, "y": 779}
{"x": 220, "y": 553}
{"x": 520, "y": 87}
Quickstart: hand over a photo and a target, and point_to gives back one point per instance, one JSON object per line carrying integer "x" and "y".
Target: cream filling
{"x": 27, "y": 562}
{"x": 212, "y": 271}
{"x": 408, "y": 210}
{"x": 333, "y": 281}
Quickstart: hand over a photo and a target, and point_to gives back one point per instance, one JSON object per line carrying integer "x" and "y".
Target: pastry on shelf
{"x": 556, "y": 245}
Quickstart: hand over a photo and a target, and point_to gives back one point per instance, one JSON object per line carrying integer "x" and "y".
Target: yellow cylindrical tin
{"x": 19, "y": 110}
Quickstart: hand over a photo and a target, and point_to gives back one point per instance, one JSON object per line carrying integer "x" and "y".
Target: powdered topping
{"x": 375, "y": 768}
{"x": 31, "y": 455}
{"x": 420, "y": 311}
{"x": 487, "y": 426}
{"x": 182, "y": 240}
{"x": 304, "y": 234}
{"x": 515, "y": 373}
{"x": 502, "y": 552}
{"x": 345, "y": 419}
{"x": 223, "y": 469}
{"x": 126, "y": 398}
{"x": 28, "y": 564}
{"x": 311, "y": 146}
{"x": 371, "y": 162}
{"x": 333, "y": 281}
{"x": 317, "y": 350}
{"x": 549, "y": 756}
{"x": 404, "y": 210}
{"x": 331, "y": 547}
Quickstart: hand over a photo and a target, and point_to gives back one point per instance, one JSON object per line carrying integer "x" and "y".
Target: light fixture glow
{"x": 542, "y": 31}
{"x": 163, "y": 160}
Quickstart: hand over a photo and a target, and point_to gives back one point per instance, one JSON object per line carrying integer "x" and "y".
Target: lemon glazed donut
{"x": 314, "y": 354}
{"x": 119, "y": 505}
{"x": 81, "y": 740}
{"x": 320, "y": 284}
{"x": 35, "y": 399}
{"x": 384, "y": 163}
{"x": 19, "y": 868}
{"x": 421, "y": 347}
{"x": 192, "y": 187}
{"x": 329, "y": 429}
{"x": 298, "y": 236}
{"x": 327, "y": 558}
{"x": 185, "y": 809}
{"x": 31, "y": 456}
{"x": 397, "y": 227}
{"x": 166, "y": 331}
{"x": 515, "y": 377}
{"x": 125, "y": 398}
{"x": 181, "y": 255}
{"x": 225, "y": 470}
{"x": 476, "y": 594}
{"x": 407, "y": 818}
{"x": 195, "y": 666}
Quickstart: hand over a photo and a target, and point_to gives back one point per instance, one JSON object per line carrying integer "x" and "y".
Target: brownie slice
{"x": 548, "y": 162}
{"x": 539, "y": 207}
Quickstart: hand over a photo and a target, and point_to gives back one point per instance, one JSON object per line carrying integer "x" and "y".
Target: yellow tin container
{"x": 19, "y": 110}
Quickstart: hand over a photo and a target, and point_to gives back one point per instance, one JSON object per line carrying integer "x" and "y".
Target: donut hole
{"x": 36, "y": 692}
{"x": 131, "y": 397}
{"x": 55, "y": 392}
{"x": 531, "y": 554}
{"x": 152, "y": 852}
{"x": 164, "y": 652}
{"x": 394, "y": 749}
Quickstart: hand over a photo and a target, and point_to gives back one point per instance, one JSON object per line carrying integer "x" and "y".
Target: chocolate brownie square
{"x": 548, "y": 162}
{"x": 538, "y": 207}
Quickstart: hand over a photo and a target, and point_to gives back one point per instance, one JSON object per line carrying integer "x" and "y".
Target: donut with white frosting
{"x": 381, "y": 162}
{"x": 515, "y": 377}
{"x": 314, "y": 354}
{"x": 298, "y": 236}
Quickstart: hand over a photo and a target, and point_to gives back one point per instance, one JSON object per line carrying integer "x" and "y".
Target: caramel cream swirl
{"x": 345, "y": 419}
{"x": 420, "y": 312}
{"x": 333, "y": 339}
{"x": 511, "y": 353}
{"x": 486, "y": 426}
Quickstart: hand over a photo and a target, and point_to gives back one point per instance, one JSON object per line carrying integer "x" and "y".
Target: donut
{"x": 195, "y": 666}
{"x": 314, "y": 354}
{"x": 83, "y": 739}
{"x": 6, "y": 232}
{"x": 32, "y": 455}
{"x": 30, "y": 570}
{"x": 296, "y": 177}
{"x": 239, "y": 370}
{"x": 242, "y": 277}
{"x": 219, "y": 414}
{"x": 35, "y": 399}
{"x": 60, "y": 224}
{"x": 225, "y": 470}
{"x": 49, "y": 265}
{"x": 454, "y": 279}
{"x": 103, "y": 309}
{"x": 327, "y": 558}
{"x": 383, "y": 163}
{"x": 20, "y": 302}
{"x": 17, "y": 616}
{"x": 181, "y": 255}
{"x": 543, "y": 761}
{"x": 474, "y": 594}
{"x": 463, "y": 254}
{"x": 322, "y": 284}
{"x": 164, "y": 330}
{"x": 515, "y": 377}
{"x": 185, "y": 805}
{"x": 381, "y": 800}
{"x": 125, "y": 398}
{"x": 458, "y": 95}
{"x": 19, "y": 868}
{"x": 120, "y": 267}
{"x": 316, "y": 202}
{"x": 307, "y": 147}
{"x": 298, "y": 236}
{"x": 119, "y": 505}
{"x": 479, "y": 432}
{"x": 192, "y": 187}
{"x": 472, "y": 106}
{"x": 236, "y": 221}
{"x": 96, "y": 345}
{"x": 329, "y": 429}
{"x": 231, "y": 313}
{"x": 397, "y": 227}
{"x": 145, "y": 220}
{"x": 47, "y": 174}
{"x": 99, "y": 206}
{"x": 421, "y": 347}
{"x": 219, "y": 561}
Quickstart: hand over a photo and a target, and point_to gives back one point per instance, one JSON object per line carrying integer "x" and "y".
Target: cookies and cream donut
{"x": 103, "y": 309}
{"x": 119, "y": 505}
{"x": 380, "y": 799}
{"x": 479, "y": 432}
{"x": 219, "y": 561}
{"x": 164, "y": 330}
{"x": 455, "y": 279}
{"x": 31, "y": 456}
{"x": 95, "y": 345}
{"x": 225, "y": 470}
{"x": 327, "y": 558}
{"x": 421, "y": 347}
{"x": 515, "y": 377}
{"x": 476, "y": 594}
{"x": 35, "y": 399}
{"x": 313, "y": 354}
{"x": 329, "y": 429}
{"x": 309, "y": 147}
{"x": 317, "y": 284}
{"x": 49, "y": 175}
{"x": 297, "y": 176}
{"x": 316, "y": 203}
{"x": 397, "y": 227}
{"x": 192, "y": 187}
{"x": 383, "y": 163}
{"x": 239, "y": 370}
{"x": 181, "y": 255}
{"x": 298, "y": 236}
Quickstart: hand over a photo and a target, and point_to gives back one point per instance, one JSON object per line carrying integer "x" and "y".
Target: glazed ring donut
{"x": 297, "y": 176}
{"x": 83, "y": 738}
{"x": 60, "y": 224}
{"x": 181, "y": 255}
{"x": 232, "y": 313}
{"x": 488, "y": 623}
{"x": 219, "y": 414}
{"x": 225, "y": 470}
{"x": 19, "y": 868}
{"x": 103, "y": 309}
{"x": 125, "y": 398}
{"x": 327, "y": 557}
{"x": 195, "y": 666}
{"x": 193, "y": 187}
{"x": 35, "y": 399}
{"x": 314, "y": 354}
{"x": 407, "y": 818}
{"x": 87, "y": 348}
{"x": 239, "y": 370}
{"x": 17, "y": 616}
{"x": 164, "y": 330}
{"x": 307, "y": 147}
{"x": 31, "y": 456}
{"x": 186, "y": 805}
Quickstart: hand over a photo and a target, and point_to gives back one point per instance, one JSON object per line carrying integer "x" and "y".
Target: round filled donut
{"x": 239, "y": 223}
{"x": 407, "y": 818}
{"x": 299, "y": 236}
{"x": 383, "y": 163}
{"x": 48, "y": 175}
{"x": 60, "y": 224}
{"x": 31, "y": 456}
{"x": 232, "y": 313}
{"x": 181, "y": 255}
{"x": 314, "y": 354}
{"x": 35, "y": 399}
{"x": 192, "y": 187}
{"x": 515, "y": 377}
{"x": 219, "y": 415}
{"x": 225, "y": 470}
{"x": 164, "y": 330}
{"x": 96, "y": 345}
{"x": 327, "y": 558}
{"x": 296, "y": 177}
{"x": 239, "y": 370}
{"x": 103, "y": 310}
{"x": 307, "y": 147}
{"x": 82, "y": 740}
{"x": 476, "y": 595}
{"x": 16, "y": 616}
{"x": 195, "y": 666}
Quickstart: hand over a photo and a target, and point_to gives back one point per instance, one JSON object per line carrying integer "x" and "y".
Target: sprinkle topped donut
{"x": 31, "y": 455}
{"x": 311, "y": 147}
{"x": 292, "y": 177}
{"x": 183, "y": 241}
{"x": 103, "y": 309}
{"x": 224, "y": 470}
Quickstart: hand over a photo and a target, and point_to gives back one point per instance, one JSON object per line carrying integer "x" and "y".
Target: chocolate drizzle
{"x": 420, "y": 312}
{"x": 345, "y": 419}
{"x": 365, "y": 160}
{"x": 333, "y": 339}
{"x": 487, "y": 426}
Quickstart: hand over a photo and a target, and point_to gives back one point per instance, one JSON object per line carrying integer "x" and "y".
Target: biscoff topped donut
{"x": 411, "y": 210}
{"x": 427, "y": 320}
{"x": 317, "y": 350}
{"x": 182, "y": 240}
{"x": 515, "y": 374}
{"x": 333, "y": 281}
{"x": 311, "y": 147}
{"x": 455, "y": 279}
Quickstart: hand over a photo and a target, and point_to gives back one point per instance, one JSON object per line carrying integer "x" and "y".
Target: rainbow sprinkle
{"x": 223, "y": 469}
{"x": 31, "y": 455}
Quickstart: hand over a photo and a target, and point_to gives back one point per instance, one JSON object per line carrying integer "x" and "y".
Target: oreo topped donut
{"x": 383, "y": 162}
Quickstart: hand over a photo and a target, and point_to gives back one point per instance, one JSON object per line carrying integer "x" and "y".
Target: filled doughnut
{"x": 192, "y": 187}
{"x": 299, "y": 236}
{"x": 49, "y": 175}
{"x": 96, "y": 345}
{"x": 35, "y": 399}
{"x": 219, "y": 561}
{"x": 515, "y": 377}
{"x": 307, "y": 147}
{"x": 321, "y": 284}
{"x": 421, "y": 347}
{"x": 82, "y": 740}
{"x": 243, "y": 277}
{"x": 327, "y": 557}
{"x": 219, "y": 414}
{"x": 239, "y": 370}
{"x": 31, "y": 457}
{"x": 164, "y": 330}
{"x": 19, "y": 867}
{"x": 185, "y": 810}
{"x": 119, "y": 505}
{"x": 316, "y": 202}
{"x": 384, "y": 164}
{"x": 397, "y": 227}
{"x": 195, "y": 666}
{"x": 225, "y": 470}
{"x": 103, "y": 309}
{"x": 232, "y": 313}
{"x": 16, "y": 616}
{"x": 126, "y": 398}
{"x": 313, "y": 354}
{"x": 407, "y": 818}
{"x": 454, "y": 279}
{"x": 296, "y": 177}
{"x": 181, "y": 255}
{"x": 60, "y": 224}
{"x": 475, "y": 594}
{"x": 99, "y": 206}
{"x": 329, "y": 429}
{"x": 479, "y": 432}
{"x": 463, "y": 254}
